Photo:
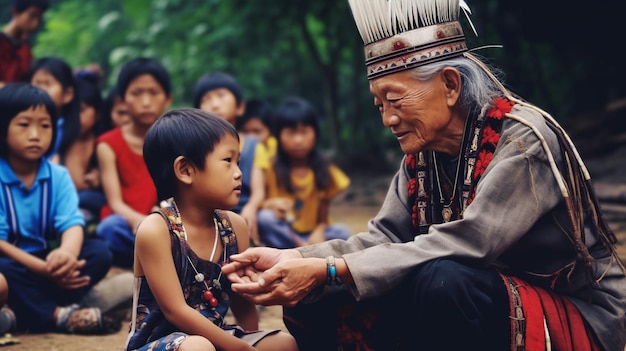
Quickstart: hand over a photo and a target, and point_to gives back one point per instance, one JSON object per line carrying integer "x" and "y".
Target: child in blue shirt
{"x": 48, "y": 263}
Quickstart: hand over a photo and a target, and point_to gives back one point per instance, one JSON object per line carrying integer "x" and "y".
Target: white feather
{"x": 380, "y": 19}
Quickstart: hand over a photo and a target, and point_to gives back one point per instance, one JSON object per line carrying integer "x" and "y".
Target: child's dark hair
{"x": 292, "y": 112}
{"x": 22, "y": 5}
{"x": 188, "y": 132}
{"x": 70, "y": 112}
{"x": 216, "y": 80}
{"x": 140, "y": 66}
{"x": 90, "y": 93}
{"x": 106, "y": 123}
{"x": 16, "y": 98}
{"x": 257, "y": 108}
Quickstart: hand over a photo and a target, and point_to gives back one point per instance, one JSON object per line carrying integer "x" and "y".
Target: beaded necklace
{"x": 207, "y": 293}
{"x": 484, "y": 136}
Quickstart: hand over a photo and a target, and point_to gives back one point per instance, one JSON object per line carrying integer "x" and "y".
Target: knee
{"x": 440, "y": 280}
{"x": 280, "y": 341}
{"x": 110, "y": 226}
{"x": 100, "y": 256}
{"x": 196, "y": 343}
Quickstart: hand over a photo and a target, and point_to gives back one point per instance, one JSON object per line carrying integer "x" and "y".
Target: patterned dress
{"x": 150, "y": 330}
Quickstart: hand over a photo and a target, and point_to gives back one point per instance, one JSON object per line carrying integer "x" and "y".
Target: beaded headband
{"x": 402, "y": 34}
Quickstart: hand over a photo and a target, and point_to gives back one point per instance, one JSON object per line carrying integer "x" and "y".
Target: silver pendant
{"x": 216, "y": 284}
{"x": 199, "y": 277}
{"x": 446, "y": 213}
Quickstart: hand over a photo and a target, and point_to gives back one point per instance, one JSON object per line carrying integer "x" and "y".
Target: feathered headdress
{"x": 402, "y": 34}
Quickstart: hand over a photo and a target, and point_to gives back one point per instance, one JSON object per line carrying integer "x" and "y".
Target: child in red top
{"x": 15, "y": 51}
{"x": 145, "y": 86}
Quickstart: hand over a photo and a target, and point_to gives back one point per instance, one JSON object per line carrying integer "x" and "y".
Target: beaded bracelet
{"x": 331, "y": 272}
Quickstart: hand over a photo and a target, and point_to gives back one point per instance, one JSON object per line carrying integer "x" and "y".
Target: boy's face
{"x": 27, "y": 21}
{"x": 219, "y": 184}
{"x": 146, "y": 100}
{"x": 222, "y": 102}
{"x": 29, "y": 134}
{"x": 256, "y": 128}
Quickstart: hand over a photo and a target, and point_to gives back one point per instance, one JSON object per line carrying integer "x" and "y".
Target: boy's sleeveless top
{"x": 149, "y": 323}
{"x": 136, "y": 185}
{"x": 245, "y": 165}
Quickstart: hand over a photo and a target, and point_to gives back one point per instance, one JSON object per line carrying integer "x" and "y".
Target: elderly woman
{"x": 490, "y": 237}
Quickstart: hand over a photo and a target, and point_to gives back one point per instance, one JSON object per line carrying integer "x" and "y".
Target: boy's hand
{"x": 59, "y": 263}
{"x": 73, "y": 280}
{"x": 64, "y": 269}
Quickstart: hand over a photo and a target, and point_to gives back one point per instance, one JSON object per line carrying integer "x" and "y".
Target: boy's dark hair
{"x": 292, "y": 112}
{"x": 188, "y": 132}
{"x": 216, "y": 80}
{"x": 70, "y": 112}
{"x": 16, "y": 98}
{"x": 257, "y": 108}
{"x": 22, "y": 5}
{"x": 140, "y": 66}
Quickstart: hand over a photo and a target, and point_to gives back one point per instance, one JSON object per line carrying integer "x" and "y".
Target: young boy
{"x": 220, "y": 94}
{"x": 145, "y": 86}
{"x": 15, "y": 51}
{"x": 183, "y": 297}
{"x": 48, "y": 264}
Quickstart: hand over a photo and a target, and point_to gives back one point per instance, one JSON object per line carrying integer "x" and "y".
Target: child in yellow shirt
{"x": 301, "y": 183}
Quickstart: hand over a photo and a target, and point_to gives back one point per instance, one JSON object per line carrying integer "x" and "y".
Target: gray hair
{"x": 478, "y": 86}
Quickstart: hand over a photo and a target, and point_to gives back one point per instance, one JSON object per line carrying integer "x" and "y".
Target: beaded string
{"x": 207, "y": 295}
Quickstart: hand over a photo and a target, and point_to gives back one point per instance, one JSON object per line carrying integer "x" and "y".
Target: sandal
{"x": 88, "y": 321}
{"x": 7, "y": 320}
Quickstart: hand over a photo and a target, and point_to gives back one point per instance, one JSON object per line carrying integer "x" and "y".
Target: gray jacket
{"x": 515, "y": 221}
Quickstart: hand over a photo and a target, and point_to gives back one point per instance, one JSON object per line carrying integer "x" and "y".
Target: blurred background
{"x": 560, "y": 55}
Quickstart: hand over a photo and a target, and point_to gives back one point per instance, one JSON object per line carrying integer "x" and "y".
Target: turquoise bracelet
{"x": 331, "y": 272}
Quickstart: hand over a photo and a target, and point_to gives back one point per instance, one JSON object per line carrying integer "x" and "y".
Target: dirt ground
{"x": 359, "y": 204}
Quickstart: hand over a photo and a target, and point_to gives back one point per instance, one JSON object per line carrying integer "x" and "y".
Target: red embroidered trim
{"x": 489, "y": 139}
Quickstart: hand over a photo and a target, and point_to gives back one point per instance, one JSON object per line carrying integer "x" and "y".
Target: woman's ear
{"x": 183, "y": 170}
{"x": 452, "y": 80}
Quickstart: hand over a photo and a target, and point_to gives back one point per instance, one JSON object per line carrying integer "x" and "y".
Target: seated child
{"x": 15, "y": 51}
{"x": 80, "y": 159}
{"x": 219, "y": 93}
{"x": 301, "y": 183}
{"x": 55, "y": 76}
{"x": 44, "y": 255}
{"x": 181, "y": 296}
{"x": 145, "y": 86}
{"x": 258, "y": 121}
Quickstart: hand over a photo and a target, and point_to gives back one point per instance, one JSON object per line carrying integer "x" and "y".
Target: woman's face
{"x": 46, "y": 81}
{"x": 418, "y": 113}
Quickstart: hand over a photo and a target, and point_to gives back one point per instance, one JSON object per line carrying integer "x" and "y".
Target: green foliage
{"x": 281, "y": 47}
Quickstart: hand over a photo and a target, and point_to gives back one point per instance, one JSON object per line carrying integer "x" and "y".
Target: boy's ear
{"x": 68, "y": 95}
{"x": 183, "y": 170}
